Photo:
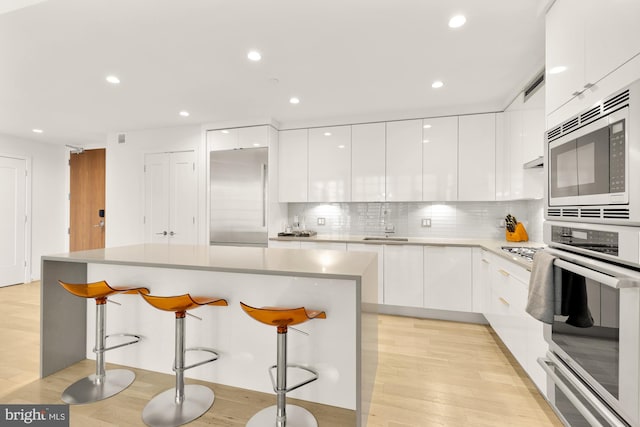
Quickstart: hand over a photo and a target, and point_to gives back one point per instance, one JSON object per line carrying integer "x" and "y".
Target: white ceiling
{"x": 347, "y": 60}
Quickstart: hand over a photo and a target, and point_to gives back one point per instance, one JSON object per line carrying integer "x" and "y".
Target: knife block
{"x": 520, "y": 235}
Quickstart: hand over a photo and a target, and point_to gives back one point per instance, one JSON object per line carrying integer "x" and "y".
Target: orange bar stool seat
{"x": 103, "y": 383}
{"x": 181, "y": 404}
{"x": 281, "y": 414}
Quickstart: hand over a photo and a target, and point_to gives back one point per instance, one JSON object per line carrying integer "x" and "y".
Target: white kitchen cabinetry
{"x": 330, "y": 164}
{"x": 170, "y": 203}
{"x": 331, "y": 246}
{"x": 604, "y": 35}
{"x": 378, "y": 249}
{"x": 403, "y": 272}
{"x": 284, "y": 244}
{"x": 505, "y": 311}
{"x": 440, "y": 159}
{"x": 368, "y": 172}
{"x": 292, "y": 165}
{"x": 404, "y": 161}
{"x": 522, "y": 140}
{"x": 247, "y": 137}
{"x": 476, "y": 157}
{"x": 448, "y": 278}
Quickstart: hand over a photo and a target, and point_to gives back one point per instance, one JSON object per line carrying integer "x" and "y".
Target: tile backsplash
{"x": 451, "y": 219}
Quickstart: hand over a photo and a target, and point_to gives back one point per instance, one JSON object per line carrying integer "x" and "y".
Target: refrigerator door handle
{"x": 263, "y": 176}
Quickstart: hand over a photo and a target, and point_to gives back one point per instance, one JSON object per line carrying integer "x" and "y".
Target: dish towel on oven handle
{"x": 574, "y": 300}
{"x": 541, "y": 302}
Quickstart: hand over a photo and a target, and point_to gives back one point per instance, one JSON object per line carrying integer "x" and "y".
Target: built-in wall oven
{"x": 593, "y": 162}
{"x": 593, "y": 365}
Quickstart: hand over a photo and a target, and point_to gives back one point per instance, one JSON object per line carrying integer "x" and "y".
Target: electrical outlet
{"x": 321, "y": 221}
{"x": 426, "y": 222}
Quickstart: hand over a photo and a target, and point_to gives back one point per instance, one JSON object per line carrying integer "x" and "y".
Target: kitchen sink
{"x": 388, "y": 239}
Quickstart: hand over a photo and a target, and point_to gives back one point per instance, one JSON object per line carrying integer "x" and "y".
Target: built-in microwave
{"x": 593, "y": 163}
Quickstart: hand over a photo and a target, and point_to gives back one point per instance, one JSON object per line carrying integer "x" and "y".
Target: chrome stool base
{"x": 297, "y": 416}
{"x": 163, "y": 411}
{"x": 86, "y": 390}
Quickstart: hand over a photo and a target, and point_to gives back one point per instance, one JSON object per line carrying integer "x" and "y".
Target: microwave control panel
{"x": 617, "y": 157}
{"x": 605, "y": 242}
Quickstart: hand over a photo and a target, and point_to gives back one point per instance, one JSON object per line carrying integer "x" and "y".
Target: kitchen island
{"x": 342, "y": 348}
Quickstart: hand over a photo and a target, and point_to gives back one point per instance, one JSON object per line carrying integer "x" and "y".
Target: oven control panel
{"x": 605, "y": 242}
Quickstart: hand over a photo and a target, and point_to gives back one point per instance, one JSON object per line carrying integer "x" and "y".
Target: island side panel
{"x": 247, "y": 347}
{"x": 63, "y": 317}
{"x": 368, "y": 341}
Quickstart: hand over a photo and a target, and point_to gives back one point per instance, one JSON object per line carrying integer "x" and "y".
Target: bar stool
{"x": 181, "y": 404}
{"x": 282, "y": 414}
{"x": 103, "y": 383}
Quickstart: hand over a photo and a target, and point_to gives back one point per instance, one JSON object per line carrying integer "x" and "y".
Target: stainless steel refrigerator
{"x": 239, "y": 197}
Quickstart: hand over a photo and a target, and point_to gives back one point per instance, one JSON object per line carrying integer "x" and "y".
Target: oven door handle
{"x": 605, "y": 273}
{"x": 611, "y": 418}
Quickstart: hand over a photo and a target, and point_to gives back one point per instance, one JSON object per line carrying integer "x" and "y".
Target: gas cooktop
{"x": 524, "y": 252}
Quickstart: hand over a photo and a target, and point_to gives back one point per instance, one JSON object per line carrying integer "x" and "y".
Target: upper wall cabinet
{"x": 440, "y": 159}
{"x": 404, "y": 161}
{"x": 476, "y": 157}
{"x": 603, "y": 36}
{"x": 229, "y": 139}
{"x": 330, "y": 164}
{"x": 368, "y": 174}
{"x": 292, "y": 165}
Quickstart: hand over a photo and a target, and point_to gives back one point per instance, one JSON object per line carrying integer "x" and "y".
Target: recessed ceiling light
{"x": 256, "y": 144}
{"x": 457, "y": 21}
{"x": 294, "y": 100}
{"x": 225, "y": 131}
{"x": 425, "y": 141}
{"x": 327, "y": 134}
{"x": 36, "y": 130}
{"x": 184, "y": 113}
{"x": 437, "y": 84}
{"x": 340, "y": 146}
{"x": 557, "y": 70}
{"x": 254, "y": 55}
{"x": 427, "y": 126}
{"x": 113, "y": 80}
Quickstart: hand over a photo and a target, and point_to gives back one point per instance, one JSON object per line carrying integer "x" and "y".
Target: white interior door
{"x": 12, "y": 220}
{"x": 182, "y": 198}
{"x": 156, "y": 200}
{"x": 170, "y": 198}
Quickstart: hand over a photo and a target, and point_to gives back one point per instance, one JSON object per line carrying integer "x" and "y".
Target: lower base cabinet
{"x": 448, "y": 278}
{"x": 379, "y": 249}
{"x": 403, "y": 272}
{"x": 506, "y": 289}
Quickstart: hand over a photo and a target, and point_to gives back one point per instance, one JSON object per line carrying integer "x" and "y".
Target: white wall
{"x": 125, "y": 179}
{"x": 49, "y": 205}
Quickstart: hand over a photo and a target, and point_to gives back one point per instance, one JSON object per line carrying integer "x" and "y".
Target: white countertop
{"x": 249, "y": 260}
{"x": 494, "y": 246}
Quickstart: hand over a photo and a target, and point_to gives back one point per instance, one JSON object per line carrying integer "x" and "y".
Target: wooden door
{"x": 12, "y": 220}
{"x": 87, "y": 222}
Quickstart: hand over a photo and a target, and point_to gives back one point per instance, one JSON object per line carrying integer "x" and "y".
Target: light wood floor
{"x": 430, "y": 373}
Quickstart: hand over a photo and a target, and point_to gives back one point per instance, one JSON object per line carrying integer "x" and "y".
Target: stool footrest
{"x": 208, "y": 350}
{"x": 293, "y": 387}
{"x": 136, "y": 339}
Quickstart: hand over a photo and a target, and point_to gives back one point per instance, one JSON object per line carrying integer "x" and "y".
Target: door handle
{"x": 100, "y": 224}
{"x": 164, "y": 233}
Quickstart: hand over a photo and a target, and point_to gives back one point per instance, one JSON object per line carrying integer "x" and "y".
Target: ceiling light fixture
{"x": 327, "y": 134}
{"x": 225, "y": 131}
{"x": 425, "y": 141}
{"x": 340, "y": 146}
{"x": 557, "y": 70}
{"x": 437, "y": 84}
{"x": 294, "y": 100}
{"x": 37, "y": 130}
{"x": 457, "y": 21}
{"x": 184, "y": 113}
{"x": 254, "y": 55}
{"x": 113, "y": 80}
{"x": 427, "y": 126}
{"x": 256, "y": 144}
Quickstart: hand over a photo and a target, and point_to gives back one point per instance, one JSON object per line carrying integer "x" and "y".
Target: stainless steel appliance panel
{"x": 238, "y": 193}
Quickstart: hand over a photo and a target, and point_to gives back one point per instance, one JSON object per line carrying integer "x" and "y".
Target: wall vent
{"x": 121, "y": 138}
